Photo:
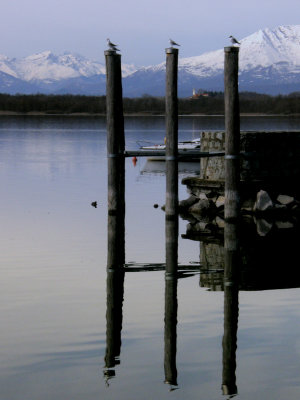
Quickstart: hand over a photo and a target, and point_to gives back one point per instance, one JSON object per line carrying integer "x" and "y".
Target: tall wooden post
{"x": 232, "y": 133}
{"x": 171, "y": 133}
{"x": 116, "y": 161}
{"x": 171, "y": 228}
{"x": 231, "y": 212}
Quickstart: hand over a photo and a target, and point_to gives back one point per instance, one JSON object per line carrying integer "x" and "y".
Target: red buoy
{"x": 134, "y": 160}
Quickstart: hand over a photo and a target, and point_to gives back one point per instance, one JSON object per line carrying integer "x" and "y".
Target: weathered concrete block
{"x": 248, "y": 205}
{"x": 263, "y": 201}
{"x": 202, "y": 196}
{"x": 220, "y": 222}
{"x": 285, "y": 200}
{"x": 263, "y": 227}
{"x": 201, "y": 207}
{"x": 220, "y": 202}
{"x": 284, "y": 224}
{"x": 187, "y": 203}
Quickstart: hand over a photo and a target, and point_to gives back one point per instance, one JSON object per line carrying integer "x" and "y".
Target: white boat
{"x": 186, "y": 145}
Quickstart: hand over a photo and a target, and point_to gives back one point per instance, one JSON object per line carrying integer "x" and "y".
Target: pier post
{"x": 232, "y": 133}
{"x": 115, "y": 161}
{"x": 171, "y": 133}
{"x": 231, "y": 213}
{"x": 171, "y": 210}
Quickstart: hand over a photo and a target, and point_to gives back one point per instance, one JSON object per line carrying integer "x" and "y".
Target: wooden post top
{"x": 231, "y": 49}
{"x": 171, "y": 50}
{"x": 111, "y": 53}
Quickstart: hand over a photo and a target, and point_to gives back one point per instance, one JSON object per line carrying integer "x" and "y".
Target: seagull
{"x": 233, "y": 40}
{"x": 172, "y": 43}
{"x": 111, "y": 45}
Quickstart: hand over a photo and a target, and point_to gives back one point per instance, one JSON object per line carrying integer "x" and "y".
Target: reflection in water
{"x": 153, "y": 167}
{"x": 114, "y": 317}
{"x": 171, "y": 278}
{"x": 231, "y": 307}
{"x": 114, "y": 293}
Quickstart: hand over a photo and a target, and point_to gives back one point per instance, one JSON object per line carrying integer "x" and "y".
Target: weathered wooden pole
{"x": 116, "y": 161}
{"x": 170, "y": 332}
{"x": 171, "y": 133}
{"x": 171, "y": 227}
{"x": 232, "y": 133}
{"x": 231, "y": 306}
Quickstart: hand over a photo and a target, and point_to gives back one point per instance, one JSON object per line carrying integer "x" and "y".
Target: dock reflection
{"x": 230, "y": 262}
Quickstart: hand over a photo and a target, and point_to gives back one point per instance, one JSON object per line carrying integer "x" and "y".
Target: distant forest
{"x": 212, "y": 104}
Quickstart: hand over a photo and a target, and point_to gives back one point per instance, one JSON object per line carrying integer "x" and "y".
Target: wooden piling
{"x": 116, "y": 161}
{"x": 231, "y": 212}
{"x": 232, "y": 133}
{"x": 171, "y": 132}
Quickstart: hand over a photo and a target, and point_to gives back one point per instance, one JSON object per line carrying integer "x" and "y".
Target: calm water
{"x": 53, "y": 278}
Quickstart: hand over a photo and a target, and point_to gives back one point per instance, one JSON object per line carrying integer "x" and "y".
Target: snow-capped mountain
{"x": 269, "y": 62}
{"x": 47, "y": 72}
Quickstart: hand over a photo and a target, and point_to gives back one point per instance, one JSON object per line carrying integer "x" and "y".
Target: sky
{"x": 141, "y": 28}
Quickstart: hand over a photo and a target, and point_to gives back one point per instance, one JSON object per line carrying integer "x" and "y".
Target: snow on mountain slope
{"x": 261, "y": 49}
{"x": 269, "y": 61}
{"x": 6, "y": 66}
{"x": 49, "y": 67}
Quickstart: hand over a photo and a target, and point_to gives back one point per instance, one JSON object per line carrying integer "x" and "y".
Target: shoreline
{"x": 86, "y": 114}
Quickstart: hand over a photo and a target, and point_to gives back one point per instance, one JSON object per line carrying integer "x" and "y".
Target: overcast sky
{"x": 140, "y": 27}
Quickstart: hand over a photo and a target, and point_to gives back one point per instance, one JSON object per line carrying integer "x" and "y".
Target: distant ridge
{"x": 269, "y": 63}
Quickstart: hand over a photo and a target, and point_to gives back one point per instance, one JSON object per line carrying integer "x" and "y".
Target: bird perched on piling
{"x": 172, "y": 43}
{"x": 111, "y": 45}
{"x": 233, "y": 40}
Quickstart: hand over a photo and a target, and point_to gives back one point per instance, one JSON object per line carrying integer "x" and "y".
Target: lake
{"x": 57, "y": 331}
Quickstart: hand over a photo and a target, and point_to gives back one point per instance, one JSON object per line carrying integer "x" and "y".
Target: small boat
{"x": 186, "y": 145}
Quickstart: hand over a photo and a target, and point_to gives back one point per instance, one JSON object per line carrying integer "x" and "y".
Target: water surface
{"x": 53, "y": 267}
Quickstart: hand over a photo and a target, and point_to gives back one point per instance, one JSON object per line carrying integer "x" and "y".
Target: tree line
{"x": 211, "y": 104}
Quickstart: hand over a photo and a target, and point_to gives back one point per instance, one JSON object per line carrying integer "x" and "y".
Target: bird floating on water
{"x": 233, "y": 40}
{"x": 172, "y": 43}
{"x": 111, "y": 45}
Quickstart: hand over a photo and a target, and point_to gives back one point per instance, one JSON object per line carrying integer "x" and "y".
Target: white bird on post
{"x": 172, "y": 43}
{"x": 233, "y": 40}
{"x": 111, "y": 45}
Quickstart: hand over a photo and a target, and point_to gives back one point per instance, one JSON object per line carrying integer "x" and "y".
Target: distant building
{"x": 199, "y": 93}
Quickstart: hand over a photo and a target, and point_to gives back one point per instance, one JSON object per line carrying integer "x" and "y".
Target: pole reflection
{"x": 231, "y": 307}
{"x": 114, "y": 296}
{"x": 171, "y": 278}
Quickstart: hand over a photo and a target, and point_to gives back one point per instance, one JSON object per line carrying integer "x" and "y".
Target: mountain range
{"x": 269, "y": 62}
